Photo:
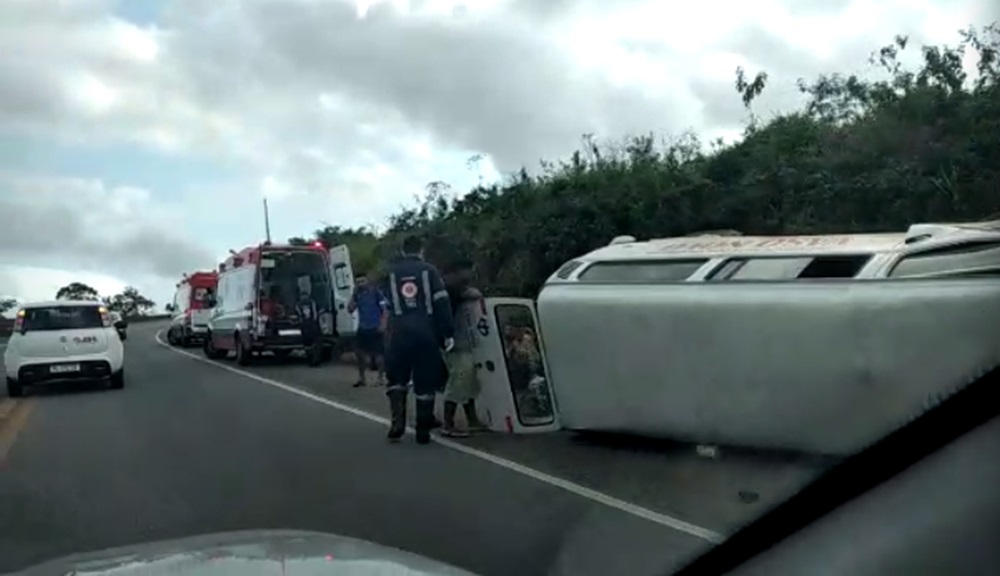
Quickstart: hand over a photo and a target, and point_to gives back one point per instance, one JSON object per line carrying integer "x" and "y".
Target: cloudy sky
{"x": 138, "y": 137}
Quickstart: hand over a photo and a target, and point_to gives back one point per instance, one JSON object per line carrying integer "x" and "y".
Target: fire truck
{"x": 190, "y": 308}
{"x": 255, "y": 308}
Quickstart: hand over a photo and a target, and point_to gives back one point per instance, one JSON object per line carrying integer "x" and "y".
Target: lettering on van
{"x": 483, "y": 326}
{"x": 775, "y": 243}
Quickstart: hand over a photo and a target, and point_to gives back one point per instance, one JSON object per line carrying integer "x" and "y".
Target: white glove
{"x": 449, "y": 343}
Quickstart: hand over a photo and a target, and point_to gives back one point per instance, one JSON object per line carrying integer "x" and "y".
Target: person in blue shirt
{"x": 370, "y": 304}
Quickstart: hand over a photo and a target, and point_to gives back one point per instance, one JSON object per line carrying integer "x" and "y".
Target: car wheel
{"x": 14, "y": 388}
{"x": 242, "y": 354}
{"x": 171, "y": 337}
{"x": 118, "y": 380}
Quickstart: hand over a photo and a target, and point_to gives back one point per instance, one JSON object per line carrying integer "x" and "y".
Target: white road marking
{"x": 582, "y": 491}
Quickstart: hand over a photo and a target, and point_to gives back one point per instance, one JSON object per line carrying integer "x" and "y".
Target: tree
{"x": 129, "y": 302}
{"x": 77, "y": 291}
{"x": 7, "y": 304}
{"x": 863, "y": 155}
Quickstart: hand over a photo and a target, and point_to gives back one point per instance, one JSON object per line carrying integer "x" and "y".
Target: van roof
{"x": 710, "y": 246}
{"x": 729, "y": 243}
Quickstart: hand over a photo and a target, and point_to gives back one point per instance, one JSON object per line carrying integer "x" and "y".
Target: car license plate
{"x": 289, "y": 332}
{"x": 64, "y": 368}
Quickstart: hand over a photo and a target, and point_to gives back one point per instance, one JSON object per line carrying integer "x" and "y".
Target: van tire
{"x": 211, "y": 352}
{"x": 242, "y": 354}
{"x": 14, "y": 388}
{"x": 118, "y": 380}
{"x": 171, "y": 337}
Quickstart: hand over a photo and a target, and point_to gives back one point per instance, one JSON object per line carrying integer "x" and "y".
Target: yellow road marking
{"x": 13, "y": 416}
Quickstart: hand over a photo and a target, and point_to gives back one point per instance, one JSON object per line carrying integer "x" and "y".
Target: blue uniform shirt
{"x": 417, "y": 298}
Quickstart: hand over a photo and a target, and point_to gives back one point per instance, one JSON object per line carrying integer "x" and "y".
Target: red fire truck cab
{"x": 256, "y": 306}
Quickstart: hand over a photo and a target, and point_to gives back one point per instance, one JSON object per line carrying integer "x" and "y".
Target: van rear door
{"x": 342, "y": 273}
{"x": 201, "y": 313}
{"x": 510, "y": 363}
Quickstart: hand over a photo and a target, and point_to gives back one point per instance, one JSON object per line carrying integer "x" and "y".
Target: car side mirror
{"x": 122, "y": 324}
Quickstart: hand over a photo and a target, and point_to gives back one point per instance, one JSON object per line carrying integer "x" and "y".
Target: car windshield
{"x": 636, "y": 272}
{"x": 62, "y": 318}
{"x": 285, "y": 275}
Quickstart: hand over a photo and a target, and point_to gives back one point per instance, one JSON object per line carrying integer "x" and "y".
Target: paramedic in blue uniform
{"x": 420, "y": 327}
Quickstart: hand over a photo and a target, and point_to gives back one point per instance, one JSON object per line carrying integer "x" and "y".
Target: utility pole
{"x": 267, "y": 223}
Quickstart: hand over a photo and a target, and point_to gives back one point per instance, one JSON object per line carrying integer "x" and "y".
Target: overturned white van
{"x": 814, "y": 343}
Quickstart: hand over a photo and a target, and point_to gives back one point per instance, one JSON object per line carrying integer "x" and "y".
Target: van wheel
{"x": 14, "y": 388}
{"x": 211, "y": 352}
{"x": 118, "y": 380}
{"x": 242, "y": 354}
{"x": 171, "y": 337}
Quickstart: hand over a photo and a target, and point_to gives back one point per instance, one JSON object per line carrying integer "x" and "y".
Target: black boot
{"x": 397, "y": 406}
{"x": 425, "y": 420}
{"x": 472, "y": 417}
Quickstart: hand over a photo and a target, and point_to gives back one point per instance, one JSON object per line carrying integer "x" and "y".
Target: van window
{"x": 626, "y": 272}
{"x": 794, "y": 268}
{"x": 340, "y": 277}
{"x": 966, "y": 257}
{"x": 282, "y": 277}
{"x": 567, "y": 269}
{"x": 62, "y": 318}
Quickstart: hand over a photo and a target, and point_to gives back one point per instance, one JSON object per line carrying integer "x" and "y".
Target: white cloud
{"x": 341, "y": 111}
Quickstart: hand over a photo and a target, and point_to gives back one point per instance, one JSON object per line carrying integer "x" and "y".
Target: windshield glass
{"x": 286, "y": 275}
{"x": 62, "y": 318}
{"x": 718, "y": 248}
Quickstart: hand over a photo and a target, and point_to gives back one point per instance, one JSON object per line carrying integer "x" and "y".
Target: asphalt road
{"x": 190, "y": 448}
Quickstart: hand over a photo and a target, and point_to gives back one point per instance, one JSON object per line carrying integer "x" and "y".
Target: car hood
{"x": 285, "y": 553}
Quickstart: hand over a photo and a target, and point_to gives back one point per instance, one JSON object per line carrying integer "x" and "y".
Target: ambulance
{"x": 190, "y": 308}
{"x": 254, "y": 308}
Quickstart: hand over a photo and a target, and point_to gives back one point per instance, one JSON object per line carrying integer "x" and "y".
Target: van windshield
{"x": 62, "y": 318}
{"x": 284, "y": 275}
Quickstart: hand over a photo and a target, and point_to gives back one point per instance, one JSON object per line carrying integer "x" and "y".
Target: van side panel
{"x": 823, "y": 367}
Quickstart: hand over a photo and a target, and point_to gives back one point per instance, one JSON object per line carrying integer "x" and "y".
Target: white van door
{"x": 342, "y": 274}
{"x": 510, "y": 362}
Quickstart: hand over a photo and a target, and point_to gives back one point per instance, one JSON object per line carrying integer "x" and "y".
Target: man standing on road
{"x": 420, "y": 326}
{"x": 463, "y": 382}
{"x": 370, "y": 303}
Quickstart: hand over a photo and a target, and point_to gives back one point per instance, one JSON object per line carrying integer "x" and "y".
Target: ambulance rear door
{"x": 342, "y": 274}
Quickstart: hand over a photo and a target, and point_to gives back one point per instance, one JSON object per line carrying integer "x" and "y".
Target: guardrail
{"x": 7, "y": 324}
{"x": 150, "y": 318}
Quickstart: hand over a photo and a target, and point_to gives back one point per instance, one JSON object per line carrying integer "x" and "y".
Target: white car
{"x": 63, "y": 340}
